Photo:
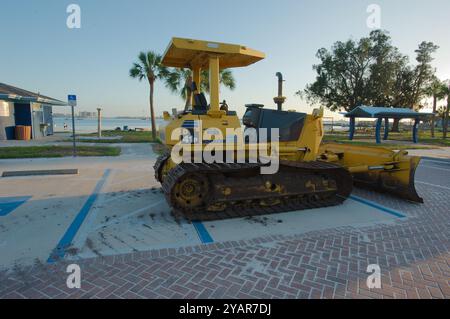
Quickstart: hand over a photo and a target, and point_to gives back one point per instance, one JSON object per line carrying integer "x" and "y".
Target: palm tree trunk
{"x": 187, "y": 87}
{"x": 446, "y": 118}
{"x": 432, "y": 118}
{"x": 187, "y": 105}
{"x": 152, "y": 111}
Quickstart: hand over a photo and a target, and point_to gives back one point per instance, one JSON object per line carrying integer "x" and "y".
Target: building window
{"x": 4, "y": 108}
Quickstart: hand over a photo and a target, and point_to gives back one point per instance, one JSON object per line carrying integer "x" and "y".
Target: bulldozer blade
{"x": 380, "y": 169}
{"x": 399, "y": 183}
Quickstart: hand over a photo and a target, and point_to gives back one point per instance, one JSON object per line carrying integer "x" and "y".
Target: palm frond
{"x": 176, "y": 80}
{"x": 152, "y": 59}
{"x": 137, "y": 72}
{"x": 143, "y": 61}
{"x": 226, "y": 78}
{"x": 172, "y": 81}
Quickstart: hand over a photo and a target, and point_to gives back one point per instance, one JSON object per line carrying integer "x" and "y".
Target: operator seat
{"x": 200, "y": 102}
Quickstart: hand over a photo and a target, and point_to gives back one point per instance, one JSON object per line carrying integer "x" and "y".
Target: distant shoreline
{"x": 89, "y": 125}
{"x": 106, "y": 117}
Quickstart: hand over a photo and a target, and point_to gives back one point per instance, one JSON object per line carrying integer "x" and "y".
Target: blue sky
{"x": 40, "y": 53}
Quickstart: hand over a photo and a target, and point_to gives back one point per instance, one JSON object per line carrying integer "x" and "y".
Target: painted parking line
{"x": 434, "y": 167}
{"x": 206, "y": 237}
{"x": 377, "y": 206}
{"x": 203, "y": 234}
{"x": 436, "y": 160}
{"x": 9, "y": 204}
{"x": 66, "y": 240}
{"x": 434, "y": 185}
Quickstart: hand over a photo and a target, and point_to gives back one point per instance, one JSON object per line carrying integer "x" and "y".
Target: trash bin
{"x": 19, "y": 132}
{"x": 23, "y": 132}
{"x": 27, "y": 133}
{"x": 9, "y": 132}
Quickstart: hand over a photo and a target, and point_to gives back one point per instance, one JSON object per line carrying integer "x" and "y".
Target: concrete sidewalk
{"x": 47, "y": 140}
{"x": 441, "y": 152}
{"x": 62, "y": 139}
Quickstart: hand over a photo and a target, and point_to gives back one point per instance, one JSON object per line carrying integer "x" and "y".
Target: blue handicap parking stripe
{"x": 66, "y": 240}
{"x": 378, "y": 206}
{"x": 9, "y": 204}
{"x": 203, "y": 234}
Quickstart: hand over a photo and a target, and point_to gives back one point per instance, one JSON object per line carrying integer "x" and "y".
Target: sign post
{"x": 99, "y": 122}
{"x": 72, "y": 99}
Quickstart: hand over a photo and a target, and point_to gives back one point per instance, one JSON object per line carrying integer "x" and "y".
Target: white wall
{"x": 6, "y": 117}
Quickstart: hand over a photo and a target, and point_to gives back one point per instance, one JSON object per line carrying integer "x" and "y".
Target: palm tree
{"x": 441, "y": 113}
{"x": 149, "y": 67}
{"x": 447, "y": 111}
{"x": 226, "y": 78}
{"x": 180, "y": 81}
{"x": 436, "y": 90}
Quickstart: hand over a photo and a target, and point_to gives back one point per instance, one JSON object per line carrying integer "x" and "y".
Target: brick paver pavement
{"x": 413, "y": 255}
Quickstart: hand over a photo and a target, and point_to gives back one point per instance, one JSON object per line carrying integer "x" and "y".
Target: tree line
{"x": 372, "y": 71}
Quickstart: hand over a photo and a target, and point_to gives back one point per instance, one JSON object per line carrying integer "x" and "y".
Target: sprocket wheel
{"x": 191, "y": 192}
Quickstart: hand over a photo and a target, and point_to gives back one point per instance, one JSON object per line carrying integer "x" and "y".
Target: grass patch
{"x": 406, "y": 136}
{"x": 56, "y": 151}
{"x": 127, "y": 137}
{"x": 392, "y": 146}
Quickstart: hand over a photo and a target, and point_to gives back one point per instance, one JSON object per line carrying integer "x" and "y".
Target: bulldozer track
{"x": 160, "y": 162}
{"x": 251, "y": 205}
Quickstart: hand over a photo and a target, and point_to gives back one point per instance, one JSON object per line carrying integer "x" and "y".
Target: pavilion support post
{"x": 416, "y": 131}
{"x": 352, "y": 128}
{"x": 378, "y": 130}
{"x": 386, "y": 129}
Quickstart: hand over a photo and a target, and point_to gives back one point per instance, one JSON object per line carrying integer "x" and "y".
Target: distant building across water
{"x": 85, "y": 114}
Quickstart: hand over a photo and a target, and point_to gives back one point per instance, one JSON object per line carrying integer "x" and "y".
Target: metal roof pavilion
{"x": 15, "y": 94}
{"x": 385, "y": 113}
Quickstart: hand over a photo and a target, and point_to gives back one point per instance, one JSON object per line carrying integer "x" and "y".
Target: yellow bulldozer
{"x": 309, "y": 175}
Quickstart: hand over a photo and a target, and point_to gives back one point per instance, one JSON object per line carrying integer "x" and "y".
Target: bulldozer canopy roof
{"x": 188, "y": 53}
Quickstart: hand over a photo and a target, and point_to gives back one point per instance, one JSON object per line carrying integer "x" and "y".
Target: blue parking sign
{"x": 72, "y": 100}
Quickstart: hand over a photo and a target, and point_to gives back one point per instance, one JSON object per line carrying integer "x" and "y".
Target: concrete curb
{"x": 40, "y": 172}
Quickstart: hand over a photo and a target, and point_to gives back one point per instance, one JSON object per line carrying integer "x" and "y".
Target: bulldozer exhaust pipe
{"x": 280, "y": 83}
{"x": 280, "y": 99}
